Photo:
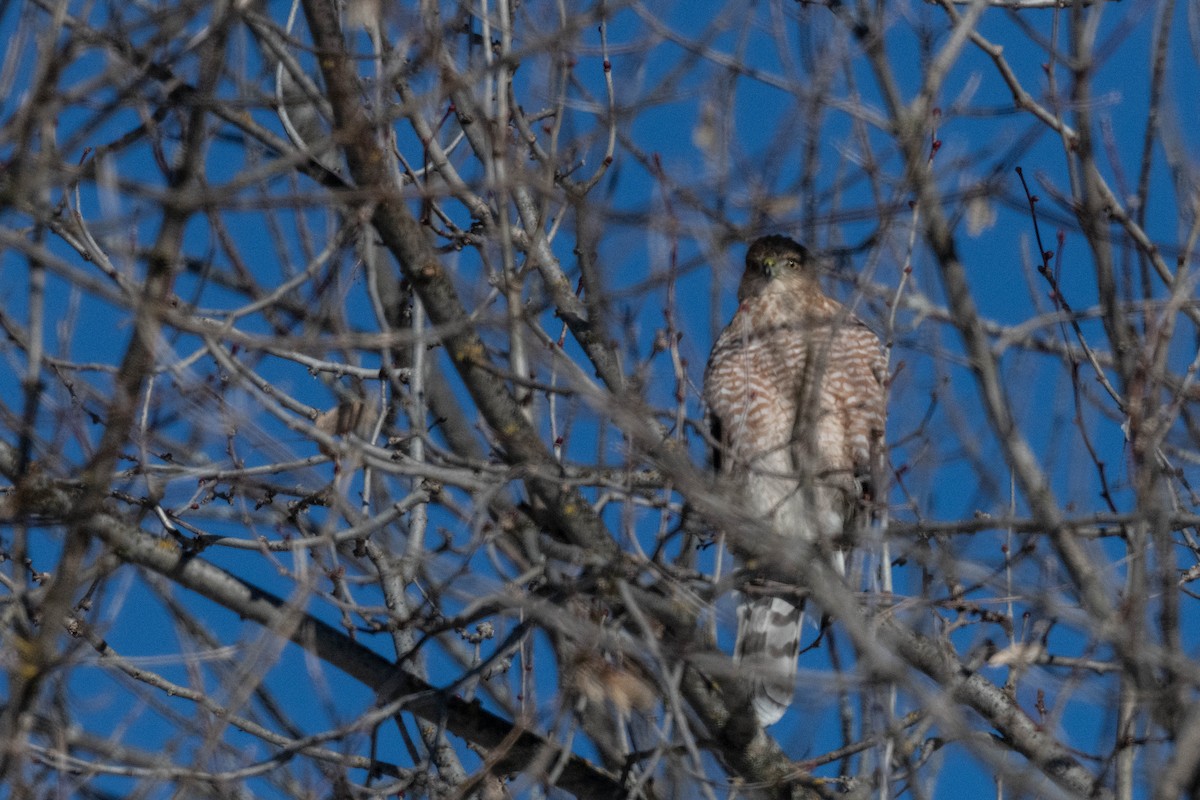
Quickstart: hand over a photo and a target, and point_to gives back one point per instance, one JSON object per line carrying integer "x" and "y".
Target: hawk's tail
{"x": 768, "y": 642}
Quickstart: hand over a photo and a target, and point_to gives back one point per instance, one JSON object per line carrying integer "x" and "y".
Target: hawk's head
{"x": 777, "y": 264}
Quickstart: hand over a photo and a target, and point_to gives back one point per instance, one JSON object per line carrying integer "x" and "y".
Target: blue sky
{"x": 701, "y": 204}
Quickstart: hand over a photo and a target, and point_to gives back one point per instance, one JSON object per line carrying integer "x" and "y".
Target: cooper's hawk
{"x": 795, "y": 388}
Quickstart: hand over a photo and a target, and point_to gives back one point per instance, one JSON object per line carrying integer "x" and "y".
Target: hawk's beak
{"x": 769, "y": 268}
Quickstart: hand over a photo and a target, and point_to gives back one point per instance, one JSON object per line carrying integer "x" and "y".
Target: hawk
{"x": 796, "y": 392}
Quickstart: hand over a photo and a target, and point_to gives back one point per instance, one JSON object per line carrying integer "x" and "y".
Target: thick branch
{"x": 516, "y": 748}
{"x": 564, "y": 508}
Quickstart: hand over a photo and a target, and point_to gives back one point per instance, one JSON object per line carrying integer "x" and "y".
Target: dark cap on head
{"x": 774, "y": 246}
